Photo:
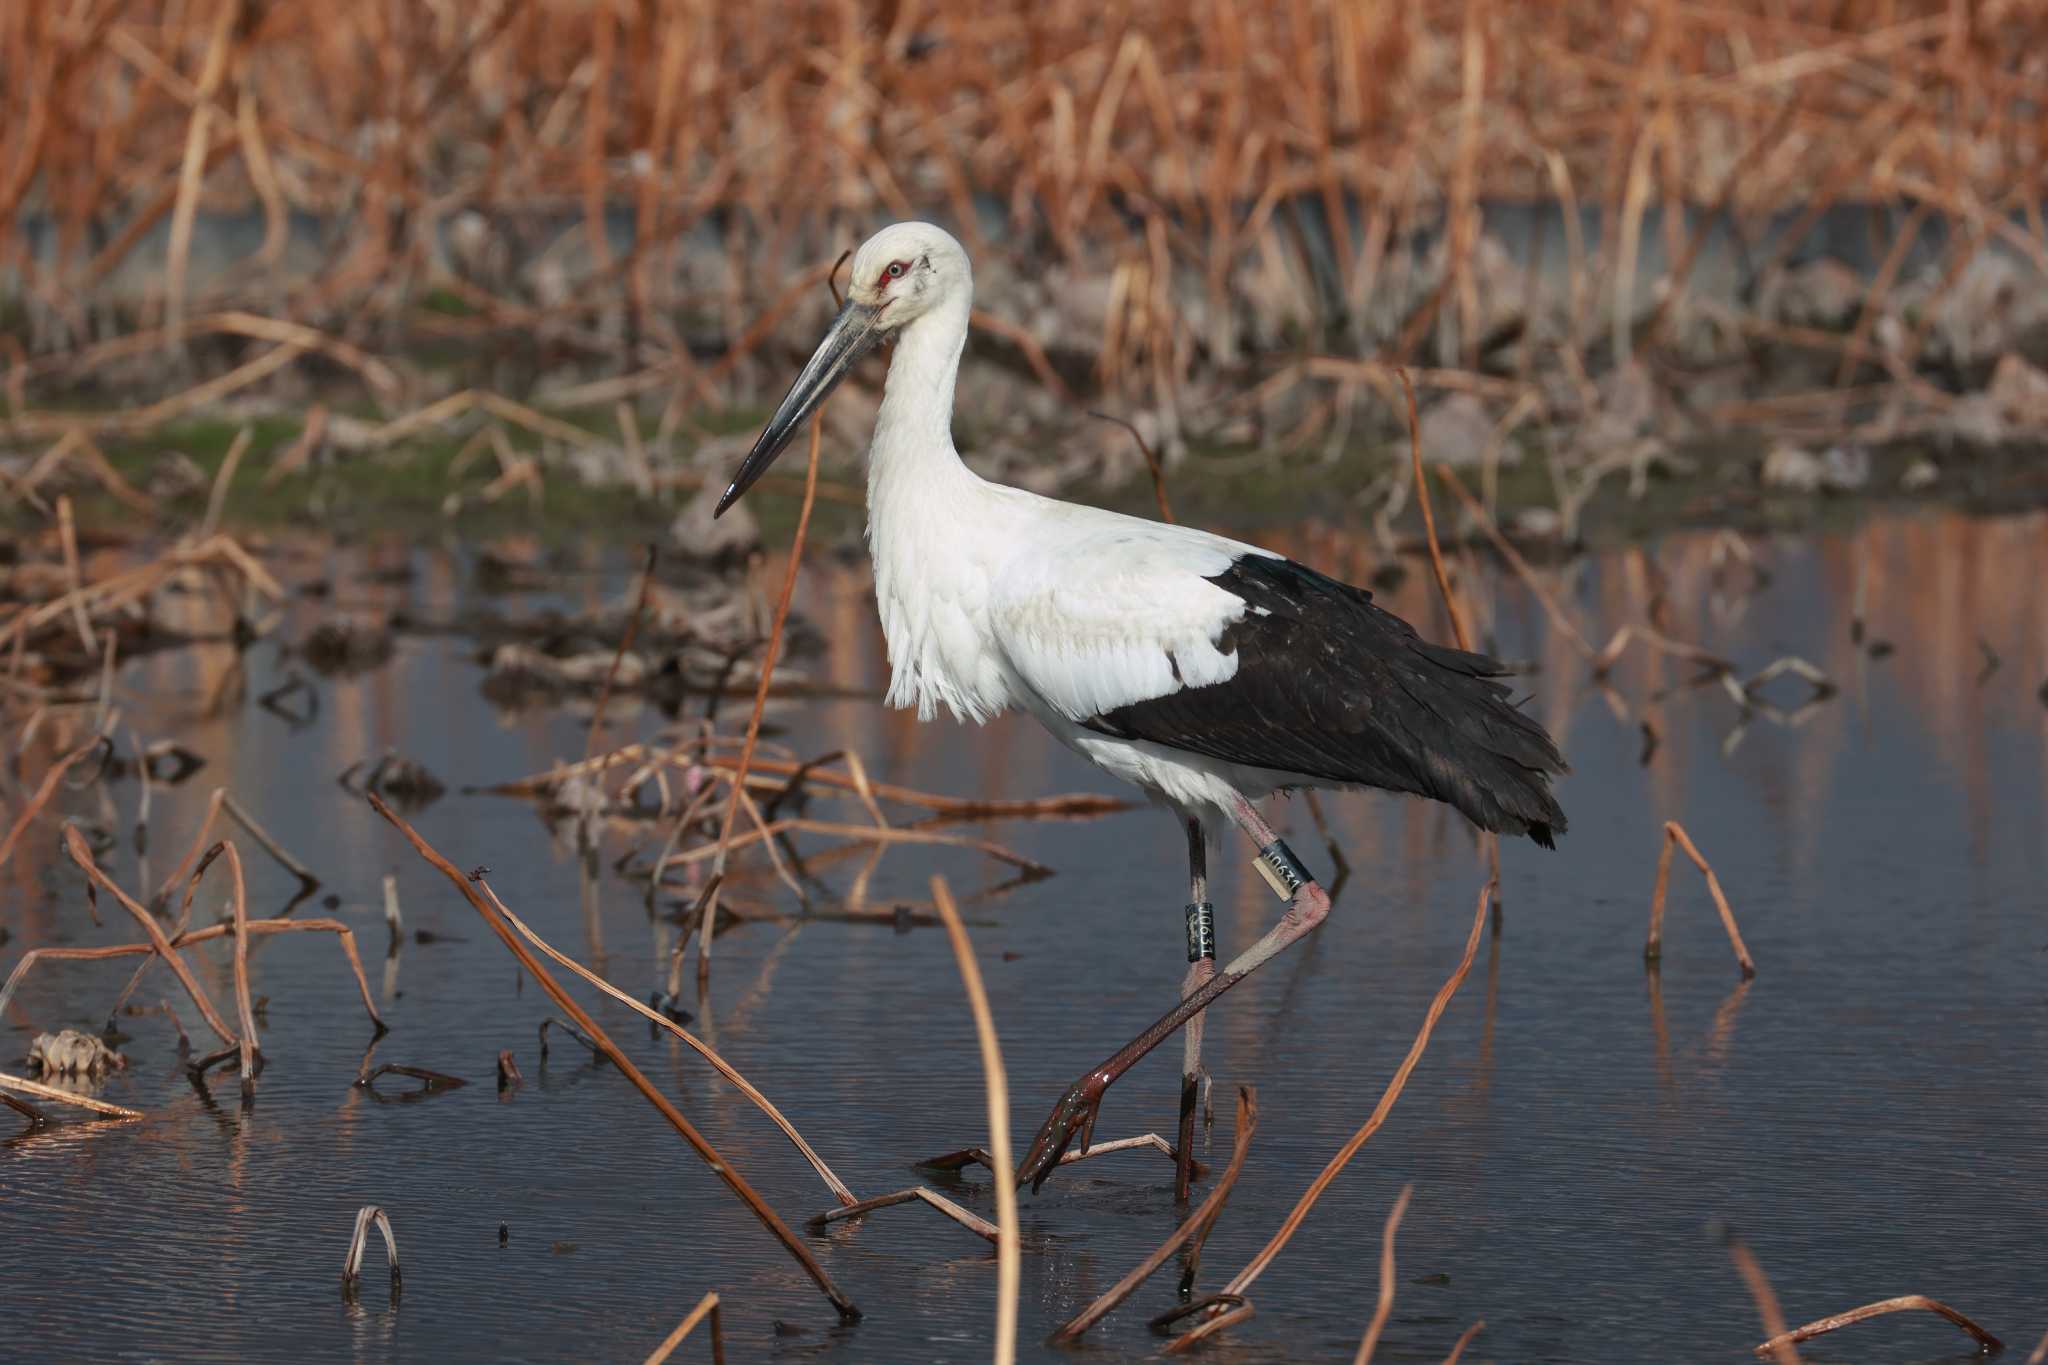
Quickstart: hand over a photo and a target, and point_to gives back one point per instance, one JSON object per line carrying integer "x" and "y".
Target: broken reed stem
{"x": 1385, "y": 1307}
{"x": 358, "y": 1242}
{"x": 67, "y": 533}
{"x": 724, "y": 1068}
{"x": 611, "y": 675}
{"x": 44, "y": 791}
{"x": 217, "y": 497}
{"x": 1653, "y": 948}
{"x": 1436, "y": 554}
{"x": 242, "y": 1001}
{"x": 1151, "y": 463}
{"x": 1009, "y": 1264}
{"x": 1247, "y": 1124}
{"x": 723, "y": 1168}
{"x": 25, "y": 1109}
{"x": 1464, "y": 1340}
{"x": 74, "y": 844}
{"x": 51, "y": 1092}
{"x": 1069, "y": 804}
{"x": 1986, "y": 1343}
{"x": 707, "y": 1307}
{"x": 973, "y": 1222}
{"x": 768, "y": 660}
{"x": 1507, "y": 551}
{"x": 1765, "y": 1298}
{"x": 1232, "y": 1294}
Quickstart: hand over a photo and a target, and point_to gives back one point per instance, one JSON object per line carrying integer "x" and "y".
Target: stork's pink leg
{"x": 1307, "y": 905}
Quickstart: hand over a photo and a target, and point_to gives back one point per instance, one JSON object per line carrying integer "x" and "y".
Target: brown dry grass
{"x": 1156, "y": 142}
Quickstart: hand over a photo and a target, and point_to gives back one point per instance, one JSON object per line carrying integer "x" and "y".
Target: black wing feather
{"x": 1331, "y": 686}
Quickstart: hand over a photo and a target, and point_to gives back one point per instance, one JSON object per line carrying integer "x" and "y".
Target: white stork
{"x": 1207, "y": 672}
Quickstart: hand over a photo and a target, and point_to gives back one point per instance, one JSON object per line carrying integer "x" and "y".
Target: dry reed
{"x": 1653, "y": 947}
{"x": 1464, "y": 1340}
{"x": 358, "y": 1242}
{"x": 1196, "y": 1225}
{"x": 1231, "y": 1298}
{"x": 1009, "y": 1265}
{"x": 1766, "y": 1299}
{"x": 1212, "y": 164}
{"x": 1385, "y": 1306}
{"x": 51, "y": 1092}
{"x": 707, "y": 1308}
{"x": 1834, "y": 1322}
{"x": 660, "y": 1020}
{"x": 722, "y": 1167}
{"x": 767, "y": 673}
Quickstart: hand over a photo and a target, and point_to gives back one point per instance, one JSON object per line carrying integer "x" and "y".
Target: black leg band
{"x": 1201, "y": 931}
{"x": 1282, "y": 870}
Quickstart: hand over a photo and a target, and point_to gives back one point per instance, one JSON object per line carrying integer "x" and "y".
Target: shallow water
{"x": 1867, "y": 1113}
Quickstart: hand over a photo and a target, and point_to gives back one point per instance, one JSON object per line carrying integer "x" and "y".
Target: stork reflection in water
{"x": 1207, "y": 672}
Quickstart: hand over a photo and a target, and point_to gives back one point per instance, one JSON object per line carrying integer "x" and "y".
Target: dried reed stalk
{"x": 242, "y": 1001}
{"x": 25, "y": 1109}
{"x": 358, "y": 1241}
{"x": 1385, "y": 1307}
{"x": 1653, "y": 949}
{"x": 707, "y": 1307}
{"x": 67, "y": 534}
{"x": 973, "y": 1222}
{"x": 1231, "y": 1297}
{"x": 611, "y": 674}
{"x": 768, "y": 661}
{"x": 255, "y": 928}
{"x": 2040, "y": 1354}
{"x": 1766, "y": 1299}
{"x": 809, "y": 772}
{"x": 1009, "y": 1264}
{"x": 1152, "y": 465}
{"x": 723, "y": 1168}
{"x": 217, "y": 496}
{"x": 1464, "y": 1340}
{"x": 1436, "y": 554}
{"x": 224, "y": 800}
{"x": 44, "y": 791}
{"x": 1202, "y": 1218}
{"x": 881, "y": 834}
{"x": 51, "y": 1092}
{"x": 1986, "y": 1343}
{"x": 75, "y": 845}
{"x": 724, "y": 1068}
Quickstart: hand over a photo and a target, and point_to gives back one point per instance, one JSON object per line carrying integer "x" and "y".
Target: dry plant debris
{"x": 359, "y": 1236}
{"x": 724, "y": 1168}
{"x": 707, "y": 1308}
{"x": 71, "y": 1053}
{"x": 1834, "y": 1322}
{"x": 1653, "y": 949}
{"x": 1229, "y": 1304}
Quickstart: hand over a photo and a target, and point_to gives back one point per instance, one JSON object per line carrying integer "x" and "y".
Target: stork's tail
{"x": 1490, "y": 759}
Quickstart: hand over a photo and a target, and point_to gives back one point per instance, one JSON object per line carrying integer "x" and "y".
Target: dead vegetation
{"x": 625, "y": 211}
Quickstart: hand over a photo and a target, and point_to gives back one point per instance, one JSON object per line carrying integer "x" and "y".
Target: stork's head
{"x": 900, "y": 274}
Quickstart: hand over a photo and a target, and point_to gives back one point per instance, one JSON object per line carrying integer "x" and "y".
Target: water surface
{"x": 1867, "y": 1113}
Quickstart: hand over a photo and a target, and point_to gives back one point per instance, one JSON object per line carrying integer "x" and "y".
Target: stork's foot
{"x": 1072, "y": 1117}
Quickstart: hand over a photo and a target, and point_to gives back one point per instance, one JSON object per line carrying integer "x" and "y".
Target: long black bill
{"x": 850, "y": 336}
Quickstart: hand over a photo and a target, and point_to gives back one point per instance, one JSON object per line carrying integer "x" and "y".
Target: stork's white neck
{"x": 914, "y": 429}
{"x": 934, "y": 530}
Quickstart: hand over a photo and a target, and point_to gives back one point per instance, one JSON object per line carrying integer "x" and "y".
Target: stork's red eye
{"x": 896, "y": 270}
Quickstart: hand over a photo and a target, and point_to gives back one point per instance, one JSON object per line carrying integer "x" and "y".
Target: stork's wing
{"x": 1296, "y": 672}
{"x": 1095, "y": 620}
